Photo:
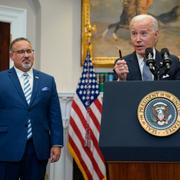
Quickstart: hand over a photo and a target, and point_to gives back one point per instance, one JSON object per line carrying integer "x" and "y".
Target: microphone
{"x": 166, "y": 58}
{"x": 149, "y": 59}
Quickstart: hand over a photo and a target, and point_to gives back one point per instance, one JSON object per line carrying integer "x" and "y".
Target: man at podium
{"x": 146, "y": 63}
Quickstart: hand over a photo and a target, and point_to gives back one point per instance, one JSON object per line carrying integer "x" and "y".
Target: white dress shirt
{"x": 21, "y": 77}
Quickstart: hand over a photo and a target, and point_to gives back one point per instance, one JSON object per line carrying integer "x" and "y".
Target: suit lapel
{"x": 158, "y": 58}
{"x": 135, "y": 73}
{"x": 158, "y": 63}
{"x": 35, "y": 85}
{"x": 13, "y": 77}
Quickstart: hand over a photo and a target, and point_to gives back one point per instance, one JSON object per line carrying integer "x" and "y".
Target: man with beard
{"x": 30, "y": 118}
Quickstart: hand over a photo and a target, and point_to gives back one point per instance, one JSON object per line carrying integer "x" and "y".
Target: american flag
{"x": 85, "y": 123}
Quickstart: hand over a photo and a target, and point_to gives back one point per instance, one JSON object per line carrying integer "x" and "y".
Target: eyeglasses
{"x": 23, "y": 51}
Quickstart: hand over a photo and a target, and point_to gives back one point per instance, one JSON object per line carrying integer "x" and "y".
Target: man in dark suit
{"x": 144, "y": 34}
{"x": 30, "y": 118}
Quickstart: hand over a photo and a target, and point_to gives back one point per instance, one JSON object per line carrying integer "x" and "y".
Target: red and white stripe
{"x": 89, "y": 160}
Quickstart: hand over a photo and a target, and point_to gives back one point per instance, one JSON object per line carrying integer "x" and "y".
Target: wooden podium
{"x": 143, "y": 171}
{"x": 130, "y": 152}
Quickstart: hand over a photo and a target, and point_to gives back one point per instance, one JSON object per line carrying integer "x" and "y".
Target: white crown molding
{"x": 17, "y": 18}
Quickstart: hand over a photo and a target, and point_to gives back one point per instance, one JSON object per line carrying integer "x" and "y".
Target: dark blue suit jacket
{"x": 134, "y": 70}
{"x": 43, "y": 110}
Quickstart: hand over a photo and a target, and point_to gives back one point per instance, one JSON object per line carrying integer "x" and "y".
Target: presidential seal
{"x": 159, "y": 113}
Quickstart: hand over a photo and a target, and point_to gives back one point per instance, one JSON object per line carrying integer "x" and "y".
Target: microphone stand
{"x": 156, "y": 68}
{"x": 153, "y": 68}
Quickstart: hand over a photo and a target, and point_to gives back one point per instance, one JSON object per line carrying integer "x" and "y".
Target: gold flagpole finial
{"x": 89, "y": 30}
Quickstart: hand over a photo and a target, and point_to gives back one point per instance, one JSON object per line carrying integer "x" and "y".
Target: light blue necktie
{"x": 27, "y": 93}
{"x": 147, "y": 75}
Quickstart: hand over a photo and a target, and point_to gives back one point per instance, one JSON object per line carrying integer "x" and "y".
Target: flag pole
{"x": 85, "y": 122}
{"x": 87, "y": 138}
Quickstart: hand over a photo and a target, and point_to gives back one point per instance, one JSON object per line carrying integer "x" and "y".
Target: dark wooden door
{"x": 4, "y": 45}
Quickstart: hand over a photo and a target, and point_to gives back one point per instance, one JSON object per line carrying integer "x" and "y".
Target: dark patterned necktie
{"x": 27, "y": 93}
